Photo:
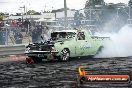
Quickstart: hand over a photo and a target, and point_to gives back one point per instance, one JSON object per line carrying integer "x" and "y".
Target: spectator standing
{"x": 1, "y": 24}
{"x": 34, "y": 36}
{"x": 19, "y": 24}
{"x": 27, "y": 25}
{"x": 18, "y": 38}
{"x": 2, "y": 36}
{"x": 39, "y": 30}
{"x": 13, "y": 23}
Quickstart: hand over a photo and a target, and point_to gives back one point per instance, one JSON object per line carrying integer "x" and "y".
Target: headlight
{"x": 40, "y": 49}
{"x": 53, "y": 48}
{"x": 28, "y": 48}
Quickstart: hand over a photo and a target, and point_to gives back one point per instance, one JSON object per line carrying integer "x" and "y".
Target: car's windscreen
{"x": 62, "y": 35}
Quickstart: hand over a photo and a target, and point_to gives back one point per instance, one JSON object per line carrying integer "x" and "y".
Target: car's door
{"x": 80, "y": 45}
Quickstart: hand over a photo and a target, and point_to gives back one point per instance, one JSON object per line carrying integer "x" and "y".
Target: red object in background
{"x": 29, "y": 60}
{"x": 17, "y": 57}
{"x": 13, "y": 23}
{"x": 13, "y": 57}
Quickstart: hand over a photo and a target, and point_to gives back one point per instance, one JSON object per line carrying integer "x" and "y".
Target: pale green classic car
{"x": 66, "y": 44}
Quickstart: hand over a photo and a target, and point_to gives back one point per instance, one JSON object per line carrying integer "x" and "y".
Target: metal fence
{"x": 10, "y": 35}
{"x": 8, "y": 44}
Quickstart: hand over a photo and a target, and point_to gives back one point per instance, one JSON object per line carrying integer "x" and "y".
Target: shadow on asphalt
{"x": 71, "y": 60}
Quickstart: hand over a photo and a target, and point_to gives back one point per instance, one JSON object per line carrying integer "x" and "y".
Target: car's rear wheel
{"x": 65, "y": 55}
{"x": 99, "y": 50}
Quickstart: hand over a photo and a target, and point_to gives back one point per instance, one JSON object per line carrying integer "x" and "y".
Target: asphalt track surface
{"x": 17, "y": 74}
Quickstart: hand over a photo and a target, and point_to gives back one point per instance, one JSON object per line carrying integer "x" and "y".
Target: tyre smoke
{"x": 120, "y": 44}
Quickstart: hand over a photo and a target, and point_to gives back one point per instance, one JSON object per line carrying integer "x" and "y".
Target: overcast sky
{"x": 39, "y": 5}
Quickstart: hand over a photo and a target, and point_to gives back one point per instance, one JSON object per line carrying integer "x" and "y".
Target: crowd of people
{"x": 17, "y": 28}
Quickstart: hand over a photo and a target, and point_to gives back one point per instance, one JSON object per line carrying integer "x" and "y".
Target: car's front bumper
{"x": 41, "y": 54}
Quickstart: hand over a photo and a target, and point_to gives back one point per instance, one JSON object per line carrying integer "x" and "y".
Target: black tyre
{"x": 65, "y": 55}
{"x": 36, "y": 59}
{"x": 99, "y": 50}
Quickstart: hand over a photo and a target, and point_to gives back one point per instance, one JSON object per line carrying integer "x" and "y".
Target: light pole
{"x": 129, "y": 12}
{"x": 23, "y": 12}
{"x": 65, "y": 13}
{"x": 118, "y": 12}
{"x": 117, "y": 19}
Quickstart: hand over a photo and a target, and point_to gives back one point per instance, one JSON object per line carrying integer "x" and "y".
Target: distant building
{"x": 33, "y": 17}
{"x": 120, "y": 5}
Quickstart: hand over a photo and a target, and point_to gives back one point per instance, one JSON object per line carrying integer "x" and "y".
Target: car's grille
{"x": 34, "y": 48}
{"x": 42, "y": 47}
{"x": 45, "y": 47}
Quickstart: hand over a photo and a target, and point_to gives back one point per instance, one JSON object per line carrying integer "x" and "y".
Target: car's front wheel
{"x": 36, "y": 59}
{"x": 65, "y": 55}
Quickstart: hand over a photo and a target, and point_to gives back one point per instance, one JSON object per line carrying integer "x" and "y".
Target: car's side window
{"x": 81, "y": 36}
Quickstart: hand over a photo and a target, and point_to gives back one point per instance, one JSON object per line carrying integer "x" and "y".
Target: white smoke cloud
{"x": 120, "y": 44}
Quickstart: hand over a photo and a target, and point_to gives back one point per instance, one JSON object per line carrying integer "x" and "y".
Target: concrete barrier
{"x": 12, "y": 50}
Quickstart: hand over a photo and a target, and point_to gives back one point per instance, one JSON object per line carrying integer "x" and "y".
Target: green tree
{"x": 31, "y": 12}
{"x": 92, "y": 3}
{"x": 1, "y": 16}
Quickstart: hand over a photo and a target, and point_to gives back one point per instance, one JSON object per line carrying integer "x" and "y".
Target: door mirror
{"x": 62, "y": 43}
